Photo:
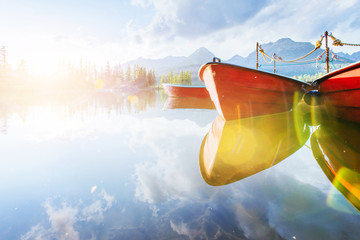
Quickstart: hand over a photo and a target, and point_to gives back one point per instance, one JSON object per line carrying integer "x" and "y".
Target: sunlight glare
{"x": 43, "y": 66}
{"x": 42, "y": 55}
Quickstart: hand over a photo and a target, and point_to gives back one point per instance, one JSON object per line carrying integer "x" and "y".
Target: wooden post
{"x": 274, "y": 56}
{"x": 327, "y": 52}
{"x": 257, "y": 55}
{"x": 3, "y": 54}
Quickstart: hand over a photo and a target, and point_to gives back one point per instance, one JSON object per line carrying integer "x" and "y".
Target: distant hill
{"x": 286, "y": 48}
{"x": 200, "y": 56}
{"x": 353, "y": 57}
{"x": 159, "y": 65}
{"x": 163, "y": 66}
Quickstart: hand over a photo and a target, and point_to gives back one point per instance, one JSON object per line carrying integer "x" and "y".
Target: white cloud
{"x": 62, "y": 221}
{"x": 149, "y": 187}
{"x": 283, "y": 206}
{"x": 140, "y": 3}
{"x": 37, "y": 232}
{"x": 64, "y": 218}
{"x": 95, "y": 211}
{"x": 180, "y": 27}
{"x": 181, "y": 229}
{"x": 109, "y": 200}
{"x": 175, "y": 172}
{"x": 235, "y": 26}
{"x": 194, "y": 18}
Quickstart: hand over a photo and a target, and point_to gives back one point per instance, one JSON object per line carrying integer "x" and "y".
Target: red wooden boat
{"x": 189, "y": 102}
{"x": 239, "y": 92}
{"x": 233, "y": 150}
{"x": 339, "y": 92}
{"x": 178, "y": 90}
{"x": 336, "y": 147}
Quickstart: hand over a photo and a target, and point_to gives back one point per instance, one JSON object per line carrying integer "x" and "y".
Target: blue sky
{"x": 43, "y": 32}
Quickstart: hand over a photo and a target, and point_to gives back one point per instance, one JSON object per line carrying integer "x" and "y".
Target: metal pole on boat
{"x": 327, "y": 51}
{"x": 257, "y": 55}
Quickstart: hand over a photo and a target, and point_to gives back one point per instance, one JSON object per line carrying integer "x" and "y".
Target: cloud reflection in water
{"x": 281, "y": 202}
{"x": 62, "y": 219}
{"x": 157, "y": 189}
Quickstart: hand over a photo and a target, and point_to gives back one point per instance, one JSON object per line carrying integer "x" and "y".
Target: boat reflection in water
{"x": 336, "y": 147}
{"x": 233, "y": 150}
{"x": 180, "y": 90}
{"x": 188, "y": 102}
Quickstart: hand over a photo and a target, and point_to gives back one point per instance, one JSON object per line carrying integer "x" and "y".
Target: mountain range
{"x": 286, "y": 48}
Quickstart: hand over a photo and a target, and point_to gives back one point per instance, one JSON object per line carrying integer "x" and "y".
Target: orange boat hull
{"x": 340, "y": 92}
{"x": 177, "y": 90}
{"x": 239, "y": 92}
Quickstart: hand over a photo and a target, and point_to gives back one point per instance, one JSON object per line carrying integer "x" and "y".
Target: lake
{"x": 113, "y": 165}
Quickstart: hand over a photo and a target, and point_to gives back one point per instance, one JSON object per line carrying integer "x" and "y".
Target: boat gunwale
{"x": 340, "y": 91}
{"x": 202, "y": 68}
{"x": 336, "y": 72}
{"x": 183, "y": 85}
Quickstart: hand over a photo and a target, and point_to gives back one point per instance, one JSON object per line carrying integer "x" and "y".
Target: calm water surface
{"x": 109, "y": 165}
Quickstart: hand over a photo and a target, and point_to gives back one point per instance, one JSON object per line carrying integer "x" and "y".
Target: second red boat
{"x": 179, "y": 90}
{"x": 339, "y": 92}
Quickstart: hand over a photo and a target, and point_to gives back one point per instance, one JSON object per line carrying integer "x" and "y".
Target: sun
{"x": 43, "y": 66}
{"x": 41, "y": 58}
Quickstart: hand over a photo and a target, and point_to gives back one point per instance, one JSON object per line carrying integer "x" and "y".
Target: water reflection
{"x": 236, "y": 149}
{"x": 189, "y": 102}
{"x": 336, "y": 148}
{"x": 112, "y": 174}
{"x": 71, "y": 105}
{"x": 233, "y": 150}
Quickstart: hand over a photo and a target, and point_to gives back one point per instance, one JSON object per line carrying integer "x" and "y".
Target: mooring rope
{"x": 263, "y": 54}
{"x": 338, "y": 42}
{"x": 279, "y": 59}
{"x": 336, "y": 57}
{"x": 287, "y": 64}
{"x": 319, "y": 58}
{"x": 332, "y": 62}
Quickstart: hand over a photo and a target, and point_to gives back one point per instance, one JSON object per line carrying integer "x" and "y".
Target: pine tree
{"x": 170, "y": 77}
{"x": 128, "y": 77}
{"x": 108, "y": 75}
{"x": 162, "y": 79}
{"x": 151, "y": 78}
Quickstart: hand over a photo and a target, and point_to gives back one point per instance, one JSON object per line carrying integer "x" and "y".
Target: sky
{"x": 47, "y": 32}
